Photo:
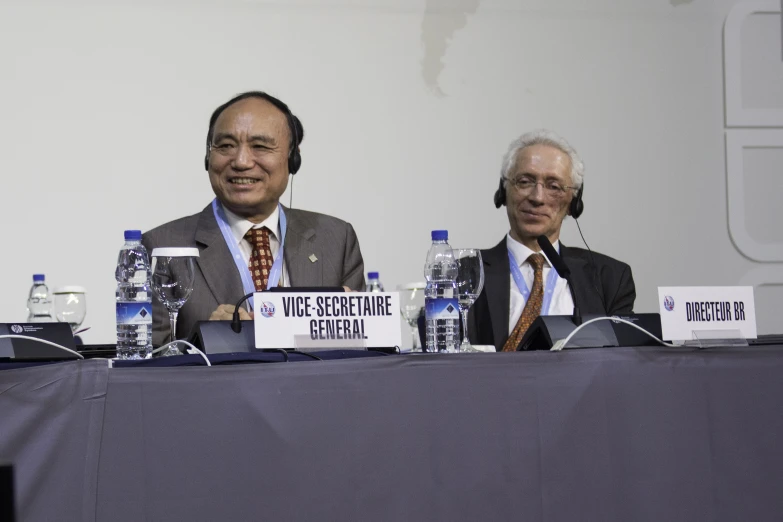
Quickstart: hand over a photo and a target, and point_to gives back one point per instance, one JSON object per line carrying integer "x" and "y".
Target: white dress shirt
{"x": 562, "y": 302}
{"x": 240, "y": 226}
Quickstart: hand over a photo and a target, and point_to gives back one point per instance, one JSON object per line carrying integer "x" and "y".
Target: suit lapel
{"x": 496, "y": 285}
{"x": 215, "y": 261}
{"x": 583, "y": 288}
{"x": 303, "y": 259}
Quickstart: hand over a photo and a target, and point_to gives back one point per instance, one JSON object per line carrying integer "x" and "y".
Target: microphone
{"x": 236, "y": 324}
{"x": 562, "y": 270}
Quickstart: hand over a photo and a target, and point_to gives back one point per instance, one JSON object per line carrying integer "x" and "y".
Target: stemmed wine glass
{"x": 411, "y": 305}
{"x": 470, "y": 282}
{"x": 173, "y": 273}
{"x": 70, "y": 306}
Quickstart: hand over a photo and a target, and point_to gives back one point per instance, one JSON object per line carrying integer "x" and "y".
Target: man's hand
{"x": 226, "y": 312}
{"x": 347, "y": 289}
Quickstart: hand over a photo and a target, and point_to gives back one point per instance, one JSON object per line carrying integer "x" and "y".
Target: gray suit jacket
{"x": 333, "y": 241}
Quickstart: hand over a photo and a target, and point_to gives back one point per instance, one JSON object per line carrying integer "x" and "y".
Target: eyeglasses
{"x": 553, "y": 189}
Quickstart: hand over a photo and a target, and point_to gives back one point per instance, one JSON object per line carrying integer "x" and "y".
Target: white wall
{"x": 406, "y": 103}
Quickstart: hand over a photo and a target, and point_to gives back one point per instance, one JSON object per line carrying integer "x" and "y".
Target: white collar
{"x": 240, "y": 226}
{"x": 521, "y": 252}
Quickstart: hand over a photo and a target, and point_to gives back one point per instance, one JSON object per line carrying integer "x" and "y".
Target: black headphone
{"x": 575, "y": 208}
{"x": 294, "y": 126}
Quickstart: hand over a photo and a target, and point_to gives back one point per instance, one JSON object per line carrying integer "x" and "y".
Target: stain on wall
{"x": 442, "y": 19}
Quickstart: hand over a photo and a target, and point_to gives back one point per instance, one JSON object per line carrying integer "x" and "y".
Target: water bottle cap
{"x": 372, "y": 275}
{"x": 133, "y": 235}
{"x": 440, "y": 235}
{"x": 39, "y": 277}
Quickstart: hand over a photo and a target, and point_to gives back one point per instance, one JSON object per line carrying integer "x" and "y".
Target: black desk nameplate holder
{"x": 217, "y": 337}
{"x": 548, "y": 329}
{"x": 59, "y": 333}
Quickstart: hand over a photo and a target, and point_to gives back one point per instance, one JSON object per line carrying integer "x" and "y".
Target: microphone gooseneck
{"x": 236, "y": 324}
{"x": 562, "y": 270}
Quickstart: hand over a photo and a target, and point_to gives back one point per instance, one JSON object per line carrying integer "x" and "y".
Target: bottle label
{"x": 442, "y": 309}
{"x": 134, "y": 313}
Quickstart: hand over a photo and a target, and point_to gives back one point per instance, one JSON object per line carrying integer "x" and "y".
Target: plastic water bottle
{"x": 134, "y": 299}
{"x": 39, "y": 303}
{"x": 441, "y": 303}
{"x": 373, "y": 283}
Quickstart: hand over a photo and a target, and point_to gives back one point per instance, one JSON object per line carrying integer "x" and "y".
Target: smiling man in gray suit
{"x": 247, "y": 240}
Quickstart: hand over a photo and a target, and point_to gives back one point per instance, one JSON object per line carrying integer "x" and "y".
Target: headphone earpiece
{"x": 500, "y": 195}
{"x": 294, "y": 161}
{"x": 294, "y": 157}
{"x": 577, "y": 206}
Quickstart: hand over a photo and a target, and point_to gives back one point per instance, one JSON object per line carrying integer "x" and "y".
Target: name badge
{"x": 327, "y": 320}
{"x": 687, "y": 311}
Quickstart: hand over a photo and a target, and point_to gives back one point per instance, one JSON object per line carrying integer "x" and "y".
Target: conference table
{"x": 617, "y": 434}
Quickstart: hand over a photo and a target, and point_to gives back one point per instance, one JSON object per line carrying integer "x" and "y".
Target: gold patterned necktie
{"x": 532, "y": 307}
{"x": 260, "y": 263}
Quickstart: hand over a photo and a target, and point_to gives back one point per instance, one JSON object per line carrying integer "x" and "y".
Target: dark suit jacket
{"x": 332, "y": 241}
{"x": 608, "y": 279}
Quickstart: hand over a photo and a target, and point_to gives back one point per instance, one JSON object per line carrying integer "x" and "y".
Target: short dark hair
{"x": 295, "y": 129}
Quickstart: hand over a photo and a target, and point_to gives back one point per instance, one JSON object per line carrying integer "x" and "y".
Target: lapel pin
{"x": 313, "y": 259}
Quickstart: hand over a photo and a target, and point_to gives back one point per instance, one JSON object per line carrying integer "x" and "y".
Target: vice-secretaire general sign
{"x": 285, "y": 320}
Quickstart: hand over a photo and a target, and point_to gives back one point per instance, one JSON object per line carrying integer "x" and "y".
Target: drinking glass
{"x": 411, "y": 305}
{"x": 470, "y": 282}
{"x": 173, "y": 273}
{"x": 70, "y": 305}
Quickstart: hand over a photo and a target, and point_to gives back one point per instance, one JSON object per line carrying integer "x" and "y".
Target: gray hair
{"x": 544, "y": 137}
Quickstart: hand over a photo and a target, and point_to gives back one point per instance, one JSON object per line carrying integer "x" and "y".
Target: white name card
{"x": 305, "y": 319}
{"x": 688, "y": 310}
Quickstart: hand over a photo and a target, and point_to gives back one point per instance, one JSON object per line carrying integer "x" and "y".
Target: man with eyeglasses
{"x": 540, "y": 184}
{"x": 247, "y": 240}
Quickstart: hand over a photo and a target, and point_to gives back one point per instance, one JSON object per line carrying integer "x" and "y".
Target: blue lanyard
{"x": 549, "y": 287}
{"x": 244, "y": 270}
